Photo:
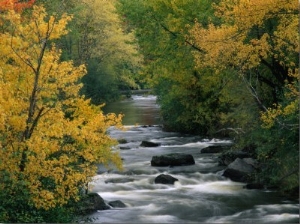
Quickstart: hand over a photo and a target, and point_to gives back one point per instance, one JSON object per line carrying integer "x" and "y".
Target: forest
{"x": 226, "y": 68}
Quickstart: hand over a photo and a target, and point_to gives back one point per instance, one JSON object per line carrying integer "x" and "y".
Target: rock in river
{"x": 215, "y": 149}
{"x": 173, "y": 159}
{"x": 254, "y": 186}
{"x": 239, "y": 170}
{"x": 165, "y": 179}
{"x": 117, "y": 204}
{"x": 149, "y": 144}
{"x": 228, "y": 157}
{"x": 91, "y": 203}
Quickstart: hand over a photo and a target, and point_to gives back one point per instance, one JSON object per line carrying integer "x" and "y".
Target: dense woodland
{"x": 226, "y": 68}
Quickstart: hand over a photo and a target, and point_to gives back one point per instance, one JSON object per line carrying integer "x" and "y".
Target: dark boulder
{"x": 91, "y": 203}
{"x": 252, "y": 162}
{"x": 228, "y": 157}
{"x": 149, "y": 144}
{"x": 173, "y": 159}
{"x": 122, "y": 141}
{"x": 239, "y": 170}
{"x": 215, "y": 149}
{"x": 254, "y": 186}
{"x": 117, "y": 204}
{"x": 124, "y": 147}
{"x": 165, "y": 179}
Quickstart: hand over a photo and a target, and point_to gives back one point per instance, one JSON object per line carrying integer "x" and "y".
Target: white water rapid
{"x": 201, "y": 194}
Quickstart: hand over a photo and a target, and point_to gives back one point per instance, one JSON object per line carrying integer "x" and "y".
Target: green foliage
{"x": 277, "y": 150}
{"x": 99, "y": 39}
{"x": 170, "y": 68}
{"x": 99, "y": 85}
{"x": 16, "y": 205}
{"x": 171, "y": 108}
{"x": 226, "y": 67}
{"x": 261, "y": 48}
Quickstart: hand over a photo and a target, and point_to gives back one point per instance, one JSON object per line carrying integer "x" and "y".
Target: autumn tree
{"x": 75, "y": 45}
{"x": 16, "y": 5}
{"x": 99, "y": 39}
{"x": 51, "y": 139}
{"x": 259, "y": 42}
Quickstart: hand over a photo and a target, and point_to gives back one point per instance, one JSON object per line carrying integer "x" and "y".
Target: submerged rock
{"x": 254, "y": 186}
{"x": 122, "y": 141}
{"x": 165, "y": 179}
{"x": 215, "y": 149}
{"x": 124, "y": 148}
{"x": 119, "y": 180}
{"x": 149, "y": 144}
{"x": 117, "y": 204}
{"x": 173, "y": 159}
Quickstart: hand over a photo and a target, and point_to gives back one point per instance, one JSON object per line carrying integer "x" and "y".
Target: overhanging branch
{"x": 176, "y": 35}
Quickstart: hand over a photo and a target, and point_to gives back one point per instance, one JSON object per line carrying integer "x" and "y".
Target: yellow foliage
{"x": 49, "y": 135}
{"x": 252, "y": 32}
{"x": 110, "y": 40}
{"x": 229, "y": 43}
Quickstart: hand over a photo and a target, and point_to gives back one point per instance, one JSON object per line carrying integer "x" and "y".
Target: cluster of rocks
{"x": 239, "y": 166}
{"x": 93, "y": 202}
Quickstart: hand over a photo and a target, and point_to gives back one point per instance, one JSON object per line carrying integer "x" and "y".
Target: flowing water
{"x": 201, "y": 195}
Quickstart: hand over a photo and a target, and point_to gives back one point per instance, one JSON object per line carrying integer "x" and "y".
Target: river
{"x": 201, "y": 195}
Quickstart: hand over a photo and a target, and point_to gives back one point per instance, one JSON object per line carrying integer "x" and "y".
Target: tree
{"x": 259, "y": 41}
{"x": 189, "y": 97}
{"x": 51, "y": 138}
{"x": 15, "y": 5}
{"x": 114, "y": 60}
{"x": 99, "y": 39}
{"x": 230, "y": 68}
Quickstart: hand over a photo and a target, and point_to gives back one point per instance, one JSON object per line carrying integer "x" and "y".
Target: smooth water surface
{"x": 201, "y": 194}
{"x": 138, "y": 110}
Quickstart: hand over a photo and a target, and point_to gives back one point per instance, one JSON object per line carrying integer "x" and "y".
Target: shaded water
{"x": 137, "y": 110}
{"x": 201, "y": 195}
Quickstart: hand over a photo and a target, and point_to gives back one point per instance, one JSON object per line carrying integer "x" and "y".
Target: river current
{"x": 201, "y": 194}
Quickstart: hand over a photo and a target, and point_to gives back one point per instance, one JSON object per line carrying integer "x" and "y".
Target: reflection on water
{"x": 139, "y": 109}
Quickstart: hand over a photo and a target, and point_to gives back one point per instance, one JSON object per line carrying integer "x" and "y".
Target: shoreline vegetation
{"x": 217, "y": 67}
{"x": 229, "y": 69}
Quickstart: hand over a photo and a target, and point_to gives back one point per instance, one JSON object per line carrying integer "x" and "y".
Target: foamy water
{"x": 201, "y": 194}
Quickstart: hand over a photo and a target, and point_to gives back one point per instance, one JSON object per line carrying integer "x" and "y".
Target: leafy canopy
{"x": 259, "y": 40}
{"x": 50, "y": 137}
{"x": 113, "y": 59}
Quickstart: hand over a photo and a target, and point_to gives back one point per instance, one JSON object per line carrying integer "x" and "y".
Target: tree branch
{"x": 295, "y": 171}
{"x": 176, "y": 35}
{"x": 35, "y": 121}
{"x": 236, "y": 130}
{"x": 254, "y": 94}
